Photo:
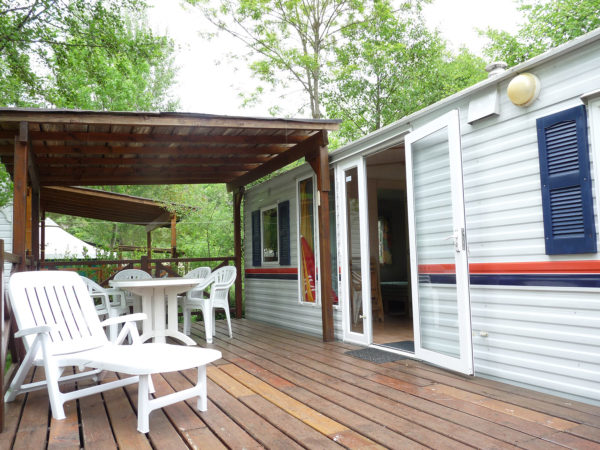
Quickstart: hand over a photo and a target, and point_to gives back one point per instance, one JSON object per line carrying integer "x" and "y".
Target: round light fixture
{"x": 523, "y": 89}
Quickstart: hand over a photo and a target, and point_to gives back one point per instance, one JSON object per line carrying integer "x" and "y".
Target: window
{"x": 566, "y": 184}
{"x": 270, "y": 238}
{"x": 306, "y": 243}
{"x": 271, "y": 235}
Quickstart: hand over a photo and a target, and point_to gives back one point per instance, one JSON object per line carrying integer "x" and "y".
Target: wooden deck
{"x": 278, "y": 389}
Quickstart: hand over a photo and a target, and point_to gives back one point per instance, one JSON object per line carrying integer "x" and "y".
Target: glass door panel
{"x": 438, "y": 245}
{"x": 354, "y": 255}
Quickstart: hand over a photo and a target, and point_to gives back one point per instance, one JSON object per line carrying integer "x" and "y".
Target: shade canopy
{"x": 83, "y": 148}
{"x": 102, "y": 205}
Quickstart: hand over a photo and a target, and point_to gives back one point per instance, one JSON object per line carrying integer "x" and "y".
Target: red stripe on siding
{"x": 519, "y": 267}
{"x": 292, "y": 270}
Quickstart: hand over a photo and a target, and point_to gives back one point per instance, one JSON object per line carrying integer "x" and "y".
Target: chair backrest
{"x": 132, "y": 274}
{"x": 223, "y": 279}
{"x": 97, "y": 292}
{"x": 59, "y": 299}
{"x": 198, "y": 272}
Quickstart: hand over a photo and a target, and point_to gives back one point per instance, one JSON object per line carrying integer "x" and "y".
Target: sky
{"x": 208, "y": 82}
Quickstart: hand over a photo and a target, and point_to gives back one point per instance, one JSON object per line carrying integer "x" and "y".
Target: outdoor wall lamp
{"x": 523, "y": 89}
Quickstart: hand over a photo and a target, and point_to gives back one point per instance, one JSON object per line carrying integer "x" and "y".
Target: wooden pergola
{"x": 42, "y": 148}
{"x": 108, "y": 206}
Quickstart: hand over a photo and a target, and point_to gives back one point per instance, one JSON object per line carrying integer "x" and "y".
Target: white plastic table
{"x": 153, "y": 293}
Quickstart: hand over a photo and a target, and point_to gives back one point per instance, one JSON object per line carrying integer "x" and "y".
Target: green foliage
{"x": 206, "y": 230}
{"x": 389, "y": 66}
{"x": 86, "y": 54}
{"x": 549, "y": 24}
{"x": 289, "y": 42}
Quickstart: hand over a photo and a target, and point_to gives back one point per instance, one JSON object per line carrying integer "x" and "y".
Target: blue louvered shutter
{"x": 284, "y": 233}
{"x": 256, "y": 241}
{"x": 566, "y": 185}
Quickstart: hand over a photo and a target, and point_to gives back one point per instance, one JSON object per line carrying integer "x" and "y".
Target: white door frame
{"x": 464, "y": 364}
{"x": 366, "y": 337}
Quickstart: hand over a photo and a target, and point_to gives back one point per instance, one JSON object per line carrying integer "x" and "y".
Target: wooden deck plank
{"x": 275, "y": 388}
{"x": 294, "y": 428}
{"x": 217, "y": 421}
{"x": 414, "y": 431}
{"x": 33, "y": 428}
{"x": 186, "y": 422}
{"x": 396, "y": 395}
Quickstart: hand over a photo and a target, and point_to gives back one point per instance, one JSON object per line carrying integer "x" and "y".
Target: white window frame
{"x": 593, "y": 112}
{"x": 262, "y": 240}
{"x": 316, "y": 244}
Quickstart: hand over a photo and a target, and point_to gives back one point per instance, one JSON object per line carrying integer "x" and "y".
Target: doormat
{"x": 375, "y": 355}
{"x": 407, "y": 346}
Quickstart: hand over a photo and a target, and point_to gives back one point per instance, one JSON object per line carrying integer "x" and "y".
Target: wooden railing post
{"x": 145, "y": 264}
{"x": 237, "y": 236}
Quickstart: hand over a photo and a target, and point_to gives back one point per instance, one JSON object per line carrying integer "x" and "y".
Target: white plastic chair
{"x": 110, "y": 303}
{"x": 219, "y": 281}
{"x": 57, "y": 320}
{"x": 201, "y": 273}
{"x": 135, "y": 301}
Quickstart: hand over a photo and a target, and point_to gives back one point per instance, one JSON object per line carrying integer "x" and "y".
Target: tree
{"x": 85, "y": 54}
{"x": 549, "y": 24}
{"x": 96, "y": 54}
{"x": 391, "y": 65}
{"x": 290, "y": 41}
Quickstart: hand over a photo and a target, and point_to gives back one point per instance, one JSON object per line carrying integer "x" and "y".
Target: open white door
{"x": 354, "y": 251}
{"x": 439, "y": 264}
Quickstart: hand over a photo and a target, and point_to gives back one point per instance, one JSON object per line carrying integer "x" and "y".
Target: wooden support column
{"x": 35, "y": 206}
{"x": 319, "y": 160}
{"x": 238, "y": 194}
{"x": 173, "y": 235}
{"x": 149, "y": 244}
{"x": 20, "y": 194}
{"x": 43, "y": 236}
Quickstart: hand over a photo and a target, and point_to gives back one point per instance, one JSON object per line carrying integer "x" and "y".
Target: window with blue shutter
{"x": 284, "y": 233}
{"x": 566, "y": 185}
{"x": 256, "y": 241}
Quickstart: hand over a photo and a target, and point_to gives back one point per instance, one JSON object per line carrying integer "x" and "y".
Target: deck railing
{"x": 8, "y": 328}
{"x": 103, "y": 270}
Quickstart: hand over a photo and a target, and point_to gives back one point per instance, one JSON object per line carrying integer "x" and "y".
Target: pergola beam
{"x": 148, "y": 119}
{"x": 280, "y": 161}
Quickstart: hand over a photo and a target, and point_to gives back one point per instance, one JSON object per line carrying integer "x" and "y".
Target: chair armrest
{"x": 123, "y": 319}
{"x": 35, "y": 330}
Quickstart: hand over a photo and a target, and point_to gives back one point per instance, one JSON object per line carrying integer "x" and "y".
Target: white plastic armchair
{"x": 111, "y": 303}
{"x": 201, "y": 273}
{"x": 135, "y": 301}
{"x": 60, "y": 328}
{"x": 220, "y": 281}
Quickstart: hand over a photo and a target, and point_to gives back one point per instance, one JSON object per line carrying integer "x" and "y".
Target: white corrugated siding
{"x": 6, "y": 233}
{"x": 278, "y": 301}
{"x": 545, "y": 338}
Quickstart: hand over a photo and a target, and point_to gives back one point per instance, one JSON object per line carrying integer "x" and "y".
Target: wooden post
{"x": 149, "y": 244}
{"x": 238, "y": 194}
{"x": 35, "y": 226}
{"x": 20, "y": 194}
{"x": 145, "y": 264}
{"x": 319, "y": 161}
{"x": 43, "y": 236}
{"x": 173, "y": 235}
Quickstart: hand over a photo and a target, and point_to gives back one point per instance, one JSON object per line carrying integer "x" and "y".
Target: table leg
{"x": 159, "y": 315}
{"x": 147, "y": 308}
{"x": 172, "y": 319}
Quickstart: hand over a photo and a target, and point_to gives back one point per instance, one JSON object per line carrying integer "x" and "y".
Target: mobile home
{"x": 464, "y": 235}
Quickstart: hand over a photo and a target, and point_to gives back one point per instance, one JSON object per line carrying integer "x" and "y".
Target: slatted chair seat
{"x": 60, "y": 328}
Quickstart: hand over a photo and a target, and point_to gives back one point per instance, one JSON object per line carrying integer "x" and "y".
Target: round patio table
{"x": 154, "y": 292}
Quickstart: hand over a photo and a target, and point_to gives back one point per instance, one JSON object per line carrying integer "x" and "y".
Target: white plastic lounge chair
{"x": 57, "y": 320}
{"x": 135, "y": 301}
{"x": 109, "y": 302}
{"x": 220, "y": 281}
